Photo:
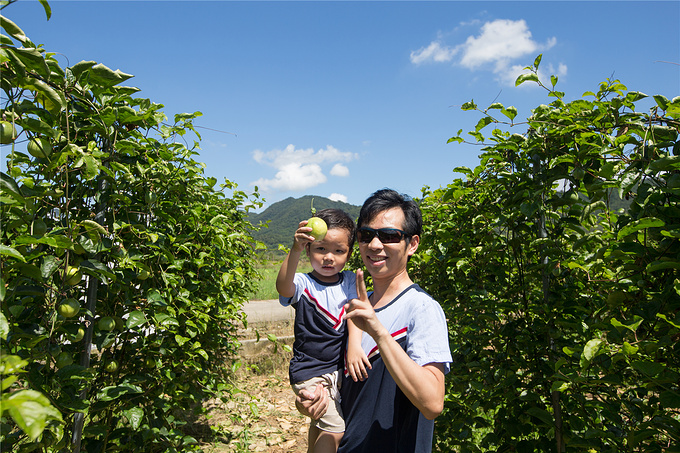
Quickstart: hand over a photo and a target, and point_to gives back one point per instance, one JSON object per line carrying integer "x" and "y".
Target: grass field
{"x": 266, "y": 288}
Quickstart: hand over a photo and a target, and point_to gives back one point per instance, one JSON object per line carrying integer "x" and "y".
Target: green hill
{"x": 285, "y": 215}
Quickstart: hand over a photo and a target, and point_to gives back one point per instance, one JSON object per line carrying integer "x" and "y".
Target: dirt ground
{"x": 262, "y": 418}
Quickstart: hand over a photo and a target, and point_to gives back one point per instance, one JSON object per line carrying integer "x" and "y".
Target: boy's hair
{"x": 384, "y": 199}
{"x": 336, "y": 218}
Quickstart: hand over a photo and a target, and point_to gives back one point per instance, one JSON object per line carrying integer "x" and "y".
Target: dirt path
{"x": 263, "y": 417}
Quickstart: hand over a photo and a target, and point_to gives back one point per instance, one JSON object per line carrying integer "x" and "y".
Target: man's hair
{"x": 336, "y": 218}
{"x": 384, "y": 199}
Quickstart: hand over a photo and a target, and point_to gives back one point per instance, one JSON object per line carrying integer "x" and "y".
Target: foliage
{"x": 119, "y": 217}
{"x": 564, "y": 311}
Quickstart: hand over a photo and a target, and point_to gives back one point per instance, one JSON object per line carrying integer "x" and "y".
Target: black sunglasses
{"x": 385, "y": 235}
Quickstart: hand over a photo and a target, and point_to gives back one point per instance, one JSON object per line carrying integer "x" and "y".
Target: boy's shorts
{"x": 332, "y": 421}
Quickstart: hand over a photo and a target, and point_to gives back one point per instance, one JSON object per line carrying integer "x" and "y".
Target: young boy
{"x": 319, "y": 298}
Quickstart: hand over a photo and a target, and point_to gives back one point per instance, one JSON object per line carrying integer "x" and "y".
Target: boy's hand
{"x": 357, "y": 363}
{"x": 302, "y": 236}
{"x": 312, "y": 405}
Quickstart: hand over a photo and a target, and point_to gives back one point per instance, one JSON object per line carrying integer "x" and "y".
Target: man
{"x": 392, "y": 406}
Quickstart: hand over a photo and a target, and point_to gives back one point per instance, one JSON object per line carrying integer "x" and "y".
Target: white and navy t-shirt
{"x": 319, "y": 327}
{"x": 378, "y": 416}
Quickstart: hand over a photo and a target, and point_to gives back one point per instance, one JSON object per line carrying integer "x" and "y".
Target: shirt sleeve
{"x": 287, "y": 301}
{"x": 428, "y": 334}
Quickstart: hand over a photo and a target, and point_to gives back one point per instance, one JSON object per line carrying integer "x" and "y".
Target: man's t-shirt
{"x": 378, "y": 416}
{"x": 319, "y": 327}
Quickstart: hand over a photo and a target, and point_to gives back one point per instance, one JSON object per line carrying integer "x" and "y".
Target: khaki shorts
{"x": 332, "y": 420}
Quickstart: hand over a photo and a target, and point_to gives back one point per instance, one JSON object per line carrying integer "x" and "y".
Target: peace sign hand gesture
{"x": 360, "y": 310}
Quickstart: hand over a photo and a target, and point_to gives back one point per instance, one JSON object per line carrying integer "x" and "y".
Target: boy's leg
{"x": 327, "y": 442}
{"x": 312, "y": 436}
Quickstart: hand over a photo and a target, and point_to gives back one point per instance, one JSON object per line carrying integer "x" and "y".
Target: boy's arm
{"x": 357, "y": 362}
{"x": 285, "y": 284}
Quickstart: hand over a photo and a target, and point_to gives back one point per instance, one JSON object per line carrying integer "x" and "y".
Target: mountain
{"x": 285, "y": 215}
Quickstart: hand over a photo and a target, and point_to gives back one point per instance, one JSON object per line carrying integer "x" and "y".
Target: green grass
{"x": 266, "y": 288}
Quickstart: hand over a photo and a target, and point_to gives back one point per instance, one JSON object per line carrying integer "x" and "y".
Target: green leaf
{"x": 44, "y": 89}
{"x": 112, "y": 392}
{"x": 4, "y": 326}
{"x": 30, "y": 410}
{"x": 651, "y": 369}
{"x": 660, "y": 265}
{"x": 629, "y": 349}
{"x": 469, "y": 105}
{"x": 537, "y": 61}
{"x": 50, "y": 265}
{"x": 482, "y": 123}
{"x": 135, "y": 319}
{"x": 637, "y": 320}
{"x": 541, "y": 414}
{"x": 670, "y": 399}
{"x": 14, "y": 253}
{"x": 47, "y": 8}
{"x": 165, "y": 320}
{"x": 13, "y": 29}
{"x": 590, "y": 350}
{"x": 666, "y": 163}
{"x": 526, "y": 78}
{"x": 103, "y": 76}
{"x": 9, "y": 186}
{"x": 135, "y": 416}
{"x": 510, "y": 112}
{"x": 637, "y": 225}
{"x": 662, "y": 101}
{"x": 181, "y": 340}
{"x": 665, "y": 318}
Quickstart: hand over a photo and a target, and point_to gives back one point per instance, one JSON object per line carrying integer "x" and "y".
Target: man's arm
{"x": 422, "y": 385}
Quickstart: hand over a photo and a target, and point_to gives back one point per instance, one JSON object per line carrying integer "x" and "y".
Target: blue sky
{"x": 339, "y": 99}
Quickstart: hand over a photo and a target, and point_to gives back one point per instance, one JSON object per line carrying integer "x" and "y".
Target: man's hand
{"x": 361, "y": 311}
{"x": 312, "y": 405}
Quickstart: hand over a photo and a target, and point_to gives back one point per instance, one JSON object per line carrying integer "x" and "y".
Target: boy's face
{"x": 329, "y": 255}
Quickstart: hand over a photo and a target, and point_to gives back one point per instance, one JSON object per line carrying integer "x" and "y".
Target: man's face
{"x": 387, "y": 260}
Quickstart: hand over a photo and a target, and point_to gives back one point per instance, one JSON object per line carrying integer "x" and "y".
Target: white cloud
{"x": 301, "y": 169}
{"x": 340, "y": 170}
{"x": 498, "y": 45}
{"x": 338, "y": 197}
{"x": 293, "y": 176}
{"x": 434, "y": 52}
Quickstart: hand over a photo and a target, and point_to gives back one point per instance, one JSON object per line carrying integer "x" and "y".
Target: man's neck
{"x": 384, "y": 291}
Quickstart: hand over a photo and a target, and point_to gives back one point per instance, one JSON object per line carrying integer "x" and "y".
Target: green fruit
{"x": 38, "y": 228}
{"x": 7, "y": 133}
{"x": 578, "y": 173}
{"x": 107, "y": 323}
{"x": 149, "y": 362}
{"x": 318, "y": 226}
{"x": 674, "y": 181}
{"x": 616, "y": 298}
{"x": 79, "y": 336}
{"x": 39, "y": 147}
{"x": 143, "y": 274}
{"x": 73, "y": 275}
{"x": 64, "y": 359}
{"x": 120, "y": 324}
{"x": 69, "y": 308}
{"x": 111, "y": 366}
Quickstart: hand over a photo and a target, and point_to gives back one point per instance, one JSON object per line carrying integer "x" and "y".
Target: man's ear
{"x": 413, "y": 244}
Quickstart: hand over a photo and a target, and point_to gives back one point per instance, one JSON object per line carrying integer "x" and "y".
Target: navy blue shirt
{"x": 319, "y": 328}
